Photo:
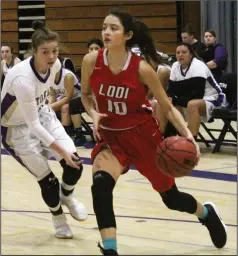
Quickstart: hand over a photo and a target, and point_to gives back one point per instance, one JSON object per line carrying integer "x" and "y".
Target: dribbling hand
{"x": 196, "y": 146}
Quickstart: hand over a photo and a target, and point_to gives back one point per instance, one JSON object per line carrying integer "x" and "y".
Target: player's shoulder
{"x": 197, "y": 62}
{"x": 198, "y": 65}
{"x": 90, "y": 58}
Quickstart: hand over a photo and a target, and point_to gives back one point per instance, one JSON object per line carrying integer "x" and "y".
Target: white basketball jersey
{"x": 29, "y": 79}
{"x": 59, "y": 87}
{"x": 6, "y": 68}
{"x": 197, "y": 68}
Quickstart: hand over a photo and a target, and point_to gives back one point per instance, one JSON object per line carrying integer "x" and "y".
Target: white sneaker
{"x": 62, "y": 230}
{"x": 76, "y": 209}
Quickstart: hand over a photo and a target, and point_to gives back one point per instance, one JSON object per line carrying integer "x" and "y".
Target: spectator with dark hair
{"x": 193, "y": 87}
{"x": 215, "y": 56}
{"x": 68, "y": 64}
{"x": 188, "y": 36}
{"x": 94, "y": 44}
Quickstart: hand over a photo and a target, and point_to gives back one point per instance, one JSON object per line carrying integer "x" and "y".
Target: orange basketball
{"x": 176, "y": 156}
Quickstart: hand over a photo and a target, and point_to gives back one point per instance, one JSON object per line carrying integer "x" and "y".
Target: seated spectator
{"x": 67, "y": 63}
{"x": 94, "y": 44}
{"x": 7, "y": 62}
{"x": 188, "y": 36}
{"x": 65, "y": 98}
{"x": 215, "y": 56}
{"x": 192, "y": 86}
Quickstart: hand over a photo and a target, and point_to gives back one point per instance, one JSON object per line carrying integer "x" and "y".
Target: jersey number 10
{"x": 119, "y": 108}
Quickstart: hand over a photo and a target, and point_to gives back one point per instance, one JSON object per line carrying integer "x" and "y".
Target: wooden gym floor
{"x": 145, "y": 225}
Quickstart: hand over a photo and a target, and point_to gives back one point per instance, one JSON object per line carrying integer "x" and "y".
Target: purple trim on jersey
{"x": 214, "y": 84}
{"x": 220, "y": 98}
{"x": 9, "y": 149}
{"x": 77, "y": 86}
{"x": 218, "y": 102}
{"x": 60, "y": 77}
{"x": 181, "y": 68}
{"x": 9, "y": 66}
{"x": 42, "y": 80}
{"x": 6, "y": 103}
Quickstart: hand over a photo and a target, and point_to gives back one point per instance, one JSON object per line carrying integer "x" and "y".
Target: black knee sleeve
{"x": 76, "y": 106}
{"x": 179, "y": 201}
{"x": 103, "y": 185}
{"x": 50, "y": 190}
{"x": 70, "y": 174}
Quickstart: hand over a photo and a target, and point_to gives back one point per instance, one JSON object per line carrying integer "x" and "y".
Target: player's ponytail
{"x": 145, "y": 42}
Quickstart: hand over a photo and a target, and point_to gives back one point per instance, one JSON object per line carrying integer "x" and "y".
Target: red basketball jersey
{"x": 122, "y": 96}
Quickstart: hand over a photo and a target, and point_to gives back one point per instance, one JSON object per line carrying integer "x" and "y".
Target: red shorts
{"x": 137, "y": 146}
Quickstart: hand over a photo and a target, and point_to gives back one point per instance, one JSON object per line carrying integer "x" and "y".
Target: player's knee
{"x": 179, "y": 201}
{"x": 71, "y": 175}
{"x": 65, "y": 109}
{"x": 193, "y": 106}
{"x": 102, "y": 188}
{"x": 50, "y": 190}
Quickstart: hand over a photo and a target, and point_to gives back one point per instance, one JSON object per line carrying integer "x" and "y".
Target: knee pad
{"x": 102, "y": 188}
{"x": 76, "y": 107}
{"x": 179, "y": 201}
{"x": 50, "y": 190}
{"x": 71, "y": 175}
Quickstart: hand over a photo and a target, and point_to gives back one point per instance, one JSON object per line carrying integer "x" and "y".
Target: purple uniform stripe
{"x": 7, "y": 101}
{"x": 218, "y": 102}
{"x": 77, "y": 86}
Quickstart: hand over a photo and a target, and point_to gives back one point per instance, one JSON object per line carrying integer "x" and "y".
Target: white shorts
{"x": 212, "y": 102}
{"x": 32, "y": 153}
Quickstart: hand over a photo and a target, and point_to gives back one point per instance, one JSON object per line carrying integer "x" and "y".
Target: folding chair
{"x": 227, "y": 115}
{"x": 87, "y": 128}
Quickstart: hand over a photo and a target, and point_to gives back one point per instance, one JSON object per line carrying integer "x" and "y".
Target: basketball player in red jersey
{"x": 116, "y": 81}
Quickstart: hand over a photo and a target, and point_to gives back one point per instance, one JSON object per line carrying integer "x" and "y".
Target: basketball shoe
{"x": 107, "y": 252}
{"x": 62, "y": 229}
{"x": 215, "y": 226}
{"x": 76, "y": 209}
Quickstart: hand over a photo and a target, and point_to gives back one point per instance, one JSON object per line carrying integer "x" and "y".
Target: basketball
{"x": 176, "y": 156}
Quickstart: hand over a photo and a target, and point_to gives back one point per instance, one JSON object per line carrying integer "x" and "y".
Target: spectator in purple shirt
{"x": 215, "y": 56}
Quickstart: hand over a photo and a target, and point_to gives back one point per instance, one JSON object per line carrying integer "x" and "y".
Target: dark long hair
{"x": 141, "y": 35}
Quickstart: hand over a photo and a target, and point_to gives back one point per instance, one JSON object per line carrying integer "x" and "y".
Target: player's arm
{"x": 69, "y": 90}
{"x": 88, "y": 64}
{"x": 52, "y": 97}
{"x": 149, "y": 77}
{"x": 25, "y": 93}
